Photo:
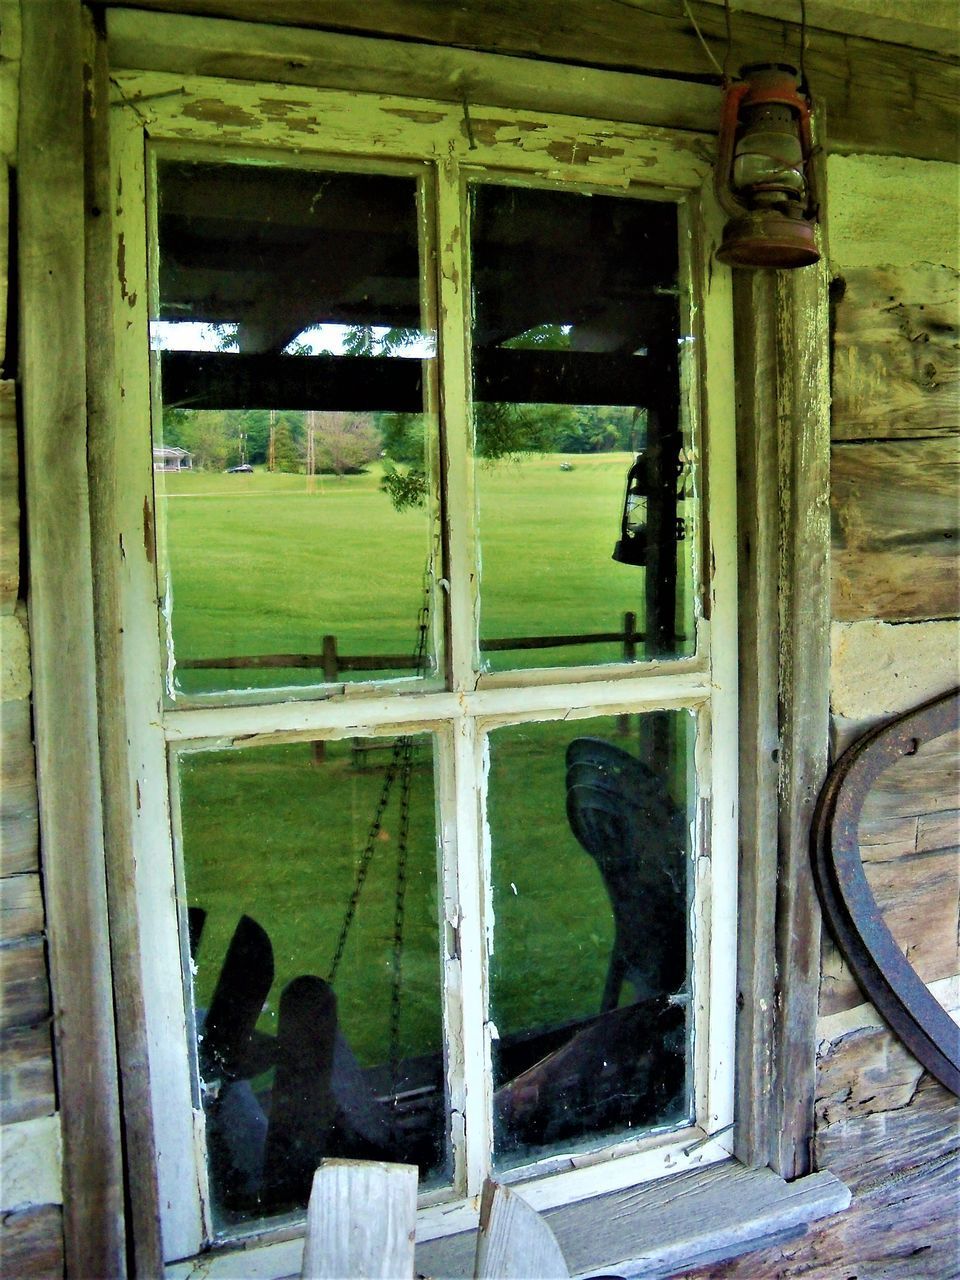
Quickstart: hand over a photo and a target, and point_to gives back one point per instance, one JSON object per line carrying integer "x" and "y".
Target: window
{"x": 431, "y": 653}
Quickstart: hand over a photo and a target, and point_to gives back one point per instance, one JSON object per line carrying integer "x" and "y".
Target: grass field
{"x": 259, "y": 564}
{"x": 272, "y": 833}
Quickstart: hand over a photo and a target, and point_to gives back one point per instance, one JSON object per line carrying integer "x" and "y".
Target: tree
{"x": 286, "y": 456}
{"x": 344, "y": 442}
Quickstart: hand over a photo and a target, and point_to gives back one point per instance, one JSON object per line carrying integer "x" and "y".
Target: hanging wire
{"x": 803, "y": 47}
{"x": 728, "y": 52}
{"x": 706, "y": 48}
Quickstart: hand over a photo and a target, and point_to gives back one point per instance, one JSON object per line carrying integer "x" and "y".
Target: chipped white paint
{"x": 885, "y": 668}
{"x": 891, "y": 209}
{"x": 31, "y": 1163}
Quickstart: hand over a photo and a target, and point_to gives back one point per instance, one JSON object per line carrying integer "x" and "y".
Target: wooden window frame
{"x": 781, "y": 389}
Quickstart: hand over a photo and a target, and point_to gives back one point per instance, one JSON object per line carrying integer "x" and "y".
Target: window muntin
{"x": 475, "y": 704}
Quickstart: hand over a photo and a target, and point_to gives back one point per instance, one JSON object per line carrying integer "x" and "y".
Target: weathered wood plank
{"x": 272, "y": 54}
{"x": 24, "y": 991}
{"x": 896, "y": 353}
{"x": 51, "y": 239}
{"x": 919, "y": 899}
{"x": 896, "y": 528}
{"x": 873, "y": 201}
{"x": 10, "y": 50}
{"x": 31, "y": 1243}
{"x": 754, "y": 294}
{"x": 26, "y": 1073}
{"x": 804, "y": 436}
{"x": 938, "y": 830}
{"x": 142, "y": 1096}
{"x": 880, "y": 669}
{"x": 15, "y": 675}
{"x": 926, "y": 782}
{"x": 30, "y": 1172}
{"x": 513, "y": 1241}
{"x": 902, "y": 1228}
{"x": 19, "y": 820}
{"x": 655, "y": 1228}
{"x": 9, "y": 479}
{"x": 361, "y": 1221}
{"x": 888, "y": 838}
{"x": 21, "y": 906}
{"x": 880, "y": 97}
{"x": 864, "y": 1072}
{"x": 873, "y": 1149}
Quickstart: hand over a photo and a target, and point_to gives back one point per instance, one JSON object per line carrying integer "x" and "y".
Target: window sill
{"x": 653, "y": 1230}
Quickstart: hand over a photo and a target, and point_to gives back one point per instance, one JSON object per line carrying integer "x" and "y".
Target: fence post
{"x": 330, "y": 673}
{"x": 629, "y": 655}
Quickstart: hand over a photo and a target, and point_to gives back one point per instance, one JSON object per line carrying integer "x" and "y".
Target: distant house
{"x": 170, "y": 458}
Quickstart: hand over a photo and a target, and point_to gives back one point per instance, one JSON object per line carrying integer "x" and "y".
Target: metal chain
{"x": 401, "y": 761}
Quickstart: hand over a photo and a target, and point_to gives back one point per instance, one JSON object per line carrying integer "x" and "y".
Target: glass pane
{"x": 313, "y": 915}
{"x": 584, "y": 493}
{"x": 589, "y": 980}
{"x": 293, "y": 449}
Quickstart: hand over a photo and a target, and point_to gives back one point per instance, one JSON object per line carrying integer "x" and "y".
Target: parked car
{"x": 244, "y": 467}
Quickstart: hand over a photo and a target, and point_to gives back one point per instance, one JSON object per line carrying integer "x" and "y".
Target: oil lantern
{"x": 632, "y": 546}
{"x": 763, "y": 176}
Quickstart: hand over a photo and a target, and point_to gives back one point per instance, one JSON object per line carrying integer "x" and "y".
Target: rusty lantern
{"x": 763, "y": 178}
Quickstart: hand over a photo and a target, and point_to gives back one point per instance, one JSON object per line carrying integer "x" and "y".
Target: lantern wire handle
{"x": 706, "y": 48}
{"x": 804, "y": 87}
{"x": 728, "y": 19}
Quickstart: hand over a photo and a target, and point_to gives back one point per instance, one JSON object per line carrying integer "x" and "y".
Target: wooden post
{"x": 52, "y": 361}
{"x": 361, "y": 1221}
{"x": 330, "y": 672}
{"x": 513, "y": 1241}
{"x": 330, "y": 667}
{"x": 629, "y": 655}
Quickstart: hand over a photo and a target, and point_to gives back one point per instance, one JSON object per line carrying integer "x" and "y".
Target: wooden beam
{"x": 9, "y": 493}
{"x": 881, "y": 97}
{"x": 328, "y": 59}
{"x": 896, "y": 365}
{"x": 804, "y": 594}
{"x": 140, "y": 1163}
{"x": 896, "y": 528}
{"x": 51, "y": 237}
{"x": 215, "y": 380}
{"x": 758, "y": 516}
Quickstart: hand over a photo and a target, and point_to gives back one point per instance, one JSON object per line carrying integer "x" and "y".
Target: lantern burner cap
{"x": 768, "y": 238}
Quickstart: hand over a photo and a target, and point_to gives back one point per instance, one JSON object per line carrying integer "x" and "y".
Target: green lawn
{"x": 258, "y": 564}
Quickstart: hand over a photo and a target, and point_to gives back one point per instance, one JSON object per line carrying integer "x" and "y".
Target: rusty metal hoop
{"x": 850, "y": 909}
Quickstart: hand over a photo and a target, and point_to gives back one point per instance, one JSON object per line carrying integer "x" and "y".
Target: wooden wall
{"x": 883, "y": 1125}
{"x": 30, "y": 1216}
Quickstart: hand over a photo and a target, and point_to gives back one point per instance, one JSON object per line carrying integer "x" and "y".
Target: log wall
{"x": 883, "y": 1125}
{"x": 31, "y": 1238}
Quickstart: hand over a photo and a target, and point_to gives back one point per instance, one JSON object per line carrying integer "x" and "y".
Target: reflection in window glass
{"x": 315, "y": 961}
{"x": 576, "y": 408}
{"x": 589, "y": 982}
{"x": 293, "y": 448}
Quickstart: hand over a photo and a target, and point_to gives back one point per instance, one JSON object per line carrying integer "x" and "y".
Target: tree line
{"x": 347, "y": 442}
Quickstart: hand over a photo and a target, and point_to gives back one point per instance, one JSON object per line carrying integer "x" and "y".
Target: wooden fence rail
{"x": 334, "y": 663}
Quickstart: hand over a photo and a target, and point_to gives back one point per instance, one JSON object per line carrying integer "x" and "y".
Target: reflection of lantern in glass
{"x": 762, "y": 177}
{"x": 632, "y": 546}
